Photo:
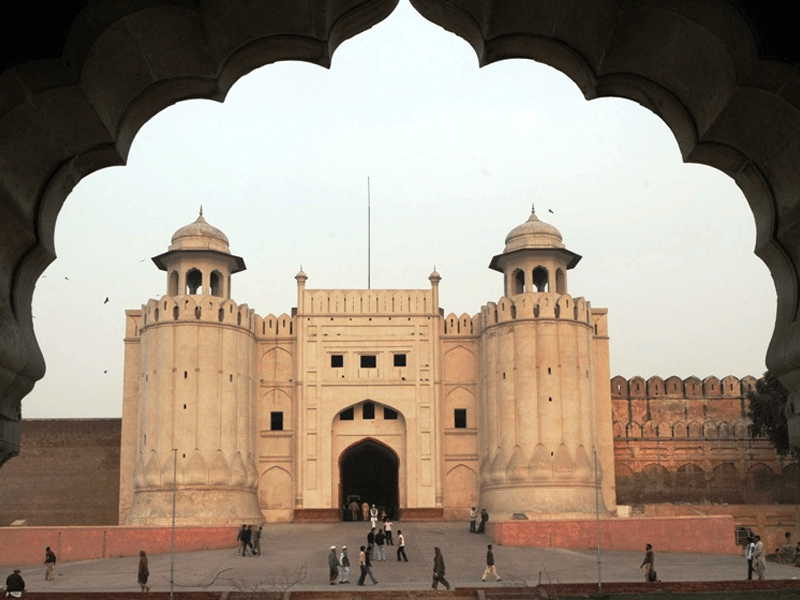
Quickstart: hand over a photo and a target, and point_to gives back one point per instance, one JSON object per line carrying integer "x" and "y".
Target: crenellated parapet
{"x": 197, "y": 309}
{"x": 542, "y": 306}
{"x": 368, "y": 302}
{"x": 464, "y": 326}
{"x": 675, "y": 387}
{"x": 272, "y": 327}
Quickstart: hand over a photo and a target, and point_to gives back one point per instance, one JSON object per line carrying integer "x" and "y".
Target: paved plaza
{"x": 291, "y": 549}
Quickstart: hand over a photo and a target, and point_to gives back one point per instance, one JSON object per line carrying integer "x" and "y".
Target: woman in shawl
{"x": 144, "y": 572}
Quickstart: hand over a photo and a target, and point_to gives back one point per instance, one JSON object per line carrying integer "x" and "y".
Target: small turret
{"x": 534, "y": 259}
{"x": 199, "y": 261}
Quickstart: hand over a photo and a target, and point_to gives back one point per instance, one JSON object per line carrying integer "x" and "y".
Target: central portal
{"x": 369, "y": 470}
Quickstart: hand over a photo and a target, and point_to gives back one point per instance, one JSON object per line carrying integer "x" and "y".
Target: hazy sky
{"x": 456, "y": 155}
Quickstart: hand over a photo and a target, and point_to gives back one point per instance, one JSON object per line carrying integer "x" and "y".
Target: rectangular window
{"x": 460, "y": 418}
{"x": 347, "y": 415}
{"x": 369, "y": 361}
{"x": 276, "y": 421}
{"x": 337, "y": 360}
{"x": 389, "y": 414}
{"x": 368, "y": 411}
{"x": 399, "y": 360}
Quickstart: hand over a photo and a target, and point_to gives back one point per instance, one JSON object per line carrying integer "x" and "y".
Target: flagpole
{"x": 369, "y": 239}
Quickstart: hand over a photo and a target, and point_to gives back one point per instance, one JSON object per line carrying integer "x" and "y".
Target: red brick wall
{"x": 25, "y": 545}
{"x": 677, "y": 534}
{"x": 67, "y": 473}
{"x": 687, "y": 441}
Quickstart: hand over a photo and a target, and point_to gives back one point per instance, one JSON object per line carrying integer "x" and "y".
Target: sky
{"x": 456, "y": 155}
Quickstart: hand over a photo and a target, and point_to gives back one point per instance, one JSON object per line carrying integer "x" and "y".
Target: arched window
{"x": 216, "y": 283}
{"x": 540, "y": 279}
{"x": 194, "y": 282}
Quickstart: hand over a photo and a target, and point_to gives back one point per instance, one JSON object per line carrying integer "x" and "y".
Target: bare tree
{"x": 275, "y": 585}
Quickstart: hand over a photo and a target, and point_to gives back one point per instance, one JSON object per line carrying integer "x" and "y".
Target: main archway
{"x": 370, "y": 471}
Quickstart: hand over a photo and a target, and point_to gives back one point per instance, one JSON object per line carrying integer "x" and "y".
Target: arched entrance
{"x": 370, "y": 470}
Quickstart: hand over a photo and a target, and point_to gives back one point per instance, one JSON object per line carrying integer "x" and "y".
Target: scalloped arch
{"x": 695, "y": 65}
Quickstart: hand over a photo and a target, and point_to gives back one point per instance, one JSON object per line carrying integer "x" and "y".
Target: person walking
{"x": 373, "y": 516}
{"x": 380, "y": 540}
{"x": 490, "y": 568}
{"x": 371, "y": 542}
{"x": 759, "y": 565}
{"x": 144, "y": 572}
{"x": 473, "y": 517}
{"x": 438, "y": 570}
{"x": 247, "y": 536}
{"x": 366, "y": 567}
{"x": 333, "y": 566}
{"x": 344, "y": 566}
{"x": 49, "y": 563}
{"x": 364, "y": 511}
{"x": 649, "y": 559}
{"x": 257, "y": 542}
{"x": 748, "y": 554}
{"x": 401, "y": 546}
{"x": 354, "y": 511}
{"x": 240, "y": 539}
{"x": 387, "y": 530}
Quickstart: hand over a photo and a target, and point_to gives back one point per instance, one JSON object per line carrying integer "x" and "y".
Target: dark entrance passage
{"x": 369, "y": 470}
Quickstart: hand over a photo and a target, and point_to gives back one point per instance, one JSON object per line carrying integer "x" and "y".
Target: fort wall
{"x": 67, "y": 473}
{"x": 687, "y": 441}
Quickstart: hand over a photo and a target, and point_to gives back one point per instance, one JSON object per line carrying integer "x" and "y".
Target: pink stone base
{"x": 709, "y": 535}
{"x": 25, "y": 545}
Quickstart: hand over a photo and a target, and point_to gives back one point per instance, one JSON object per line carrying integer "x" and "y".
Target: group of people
{"x": 15, "y": 584}
{"x": 756, "y": 561}
{"x": 383, "y": 537}
{"x": 365, "y": 512}
{"x": 438, "y": 568}
{"x": 249, "y": 539}
{"x": 473, "y": 518}
{"x": 339, "y": 566}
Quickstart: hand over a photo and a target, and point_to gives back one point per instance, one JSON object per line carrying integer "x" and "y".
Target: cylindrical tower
{"x": 196, "y": 405}
{"x": 541, "y": 408}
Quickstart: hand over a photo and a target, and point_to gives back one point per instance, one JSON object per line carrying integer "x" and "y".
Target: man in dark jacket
{"x": 484, "y": 519}
{"x": 370, "y": 542}
{"x": 333, "y": 566}
{"x": 380, "y": 540}
{"x": 15, "y": 585}
{"x": 490, "y": 568}
{"x": 438, "y": 570}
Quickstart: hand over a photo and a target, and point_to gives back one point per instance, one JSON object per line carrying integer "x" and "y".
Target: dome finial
{"x": 533, "y": 209}
{"x": 201, "y": 210}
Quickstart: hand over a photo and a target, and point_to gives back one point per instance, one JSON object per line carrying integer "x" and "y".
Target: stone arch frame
{"x": 517, "y": 282}
{"x": 173, "y": 283}
{"x": 722, "y": 85}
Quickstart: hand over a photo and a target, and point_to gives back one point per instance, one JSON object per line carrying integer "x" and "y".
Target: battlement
{"x": 369, "y": 302}
{"x": 196, "y": 308}
{"x": 548, "y": 305}
{"x": 674, "y": 387}
{"x": 464, "y": 325}
{"x": 271, "y": 326}
{"x": 673, "y": 408}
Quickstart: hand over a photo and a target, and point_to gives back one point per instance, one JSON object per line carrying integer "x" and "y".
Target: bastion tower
{"x": 190, "y": 415}
{"x": 546, "y": 409}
